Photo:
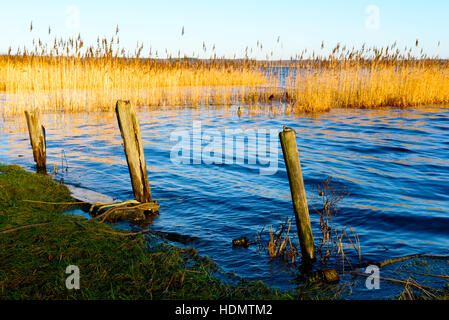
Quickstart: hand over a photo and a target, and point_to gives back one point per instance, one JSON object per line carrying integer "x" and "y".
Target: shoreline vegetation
{"x": 38, "y": 242}
{"x": 112, "y": 265}
{"x": 66, "y": 75}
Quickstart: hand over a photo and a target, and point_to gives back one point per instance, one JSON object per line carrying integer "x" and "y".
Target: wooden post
{"x": 37, "y": 139}
{"x": 291, "y": 158}
{"x": 130, "y": 130}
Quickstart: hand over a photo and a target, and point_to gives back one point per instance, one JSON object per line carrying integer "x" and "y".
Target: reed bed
{"x": 95, "y": 80}
{"x": 372, "y": 78}
{"x": 67, "y": 76}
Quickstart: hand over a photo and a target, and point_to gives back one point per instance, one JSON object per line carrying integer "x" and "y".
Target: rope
{"x": 122, "y": 206}
{"x": 85, "y": 202}
{"x": 128, "y": 205}
{"x": 24, "y": 227}
{"x": 82, "y": 226}
{"x": 419, "y": 286}
{"x": 62, "y": 203}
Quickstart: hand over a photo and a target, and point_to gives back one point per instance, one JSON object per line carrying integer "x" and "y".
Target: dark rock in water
{"x": 176, "y": 237}
{"x": 241, "y": 242}
{"x": 330, "y": 276}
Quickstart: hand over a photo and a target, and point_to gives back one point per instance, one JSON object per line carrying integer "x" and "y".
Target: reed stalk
{"x": 66, "y": 75}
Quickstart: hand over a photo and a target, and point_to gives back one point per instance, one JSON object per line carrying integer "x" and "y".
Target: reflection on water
{"x": 395, "y": 164}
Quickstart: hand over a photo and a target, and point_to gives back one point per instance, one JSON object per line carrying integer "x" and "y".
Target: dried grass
{"x": 66, "y": 75}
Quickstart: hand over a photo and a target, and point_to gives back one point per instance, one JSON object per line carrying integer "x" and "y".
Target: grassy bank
{"x": 38, "y": 242}
{"x": 33, "y": 259}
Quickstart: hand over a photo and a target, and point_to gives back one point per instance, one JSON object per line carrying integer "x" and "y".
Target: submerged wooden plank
{"x": 88, "y": 196}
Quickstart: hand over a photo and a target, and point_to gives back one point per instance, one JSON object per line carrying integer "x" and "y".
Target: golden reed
{"x": 67, "y": 76}
{"x": 372, "y": 78}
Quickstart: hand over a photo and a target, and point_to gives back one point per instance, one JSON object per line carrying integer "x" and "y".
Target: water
{"x": 394, "y": 163}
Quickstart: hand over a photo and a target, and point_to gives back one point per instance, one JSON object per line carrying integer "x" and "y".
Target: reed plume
{"x": 66, "y": 75}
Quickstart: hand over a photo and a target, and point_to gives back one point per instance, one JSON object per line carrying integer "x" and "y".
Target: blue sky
{"x": 232, "y": 25}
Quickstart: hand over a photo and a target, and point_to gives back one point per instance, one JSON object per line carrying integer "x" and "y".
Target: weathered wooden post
{"x": 130, "y": 130}
{"x": 299, "y": 199}
{"x": 37, "y": 139}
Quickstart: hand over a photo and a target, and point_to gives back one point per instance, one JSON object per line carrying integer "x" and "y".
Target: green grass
{"x": 112, "y": 266}
{"x": 33, "y": 260}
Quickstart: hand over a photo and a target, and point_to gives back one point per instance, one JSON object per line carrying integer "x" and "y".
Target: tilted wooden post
{"x": 130, "y": 129}
{"x": 299, "y": 199}
{"x": 37, "y": 139}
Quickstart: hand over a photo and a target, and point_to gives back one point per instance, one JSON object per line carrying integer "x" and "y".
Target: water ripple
{"x": 395, "y": 164}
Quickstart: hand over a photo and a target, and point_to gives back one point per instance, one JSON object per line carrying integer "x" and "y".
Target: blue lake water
{"x": 393, "y": 162}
